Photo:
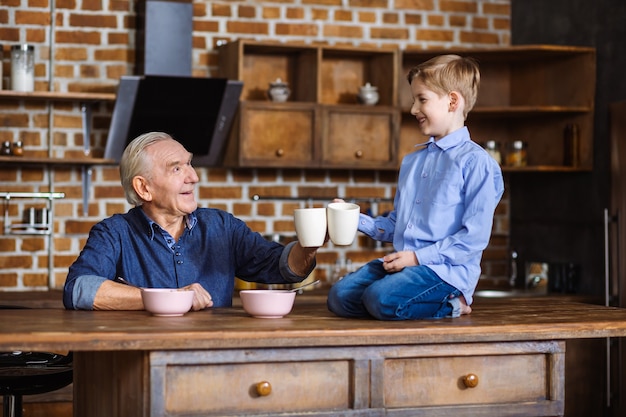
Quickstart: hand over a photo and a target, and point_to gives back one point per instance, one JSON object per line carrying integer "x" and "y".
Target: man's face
{"x": 170, "y": 190}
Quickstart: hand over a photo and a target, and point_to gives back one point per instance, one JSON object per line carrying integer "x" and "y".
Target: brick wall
{"x": 87, "y": 45}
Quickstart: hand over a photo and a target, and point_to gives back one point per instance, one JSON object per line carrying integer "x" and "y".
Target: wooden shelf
{"x": 56, "y": 96}
{"x": 545, "y": 168}
{"x": 24, "y": 160}
{"x": 529, "y": 93}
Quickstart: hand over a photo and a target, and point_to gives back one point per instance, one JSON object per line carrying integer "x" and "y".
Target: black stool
{"x": 28, "y": 373}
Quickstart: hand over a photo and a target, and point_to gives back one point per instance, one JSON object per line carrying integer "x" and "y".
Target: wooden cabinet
{"x": 474, "y": 379}
{"x": 322, "y": 124}
{"x": 527, "y": 93}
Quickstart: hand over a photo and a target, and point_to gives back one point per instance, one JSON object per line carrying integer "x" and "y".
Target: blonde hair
{"x": 445, "y": 73}
{"x": 135, "y": 162}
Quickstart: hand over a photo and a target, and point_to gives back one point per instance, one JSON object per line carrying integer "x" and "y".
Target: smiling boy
{"x": 447, "y": 193}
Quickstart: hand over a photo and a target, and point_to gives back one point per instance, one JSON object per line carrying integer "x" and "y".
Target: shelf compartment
{"x": 523, "y": 75}
{"x": 258, "y": 64}
{"x": 543, "y": 135}
{"x": 344, "y": 70}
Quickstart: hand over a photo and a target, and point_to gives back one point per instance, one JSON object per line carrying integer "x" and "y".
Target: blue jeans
{"x": 414, "y": 293}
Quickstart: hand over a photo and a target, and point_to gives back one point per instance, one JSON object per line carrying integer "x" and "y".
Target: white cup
{"x": 343, "y": 222}
{"x": 310, "y": 226}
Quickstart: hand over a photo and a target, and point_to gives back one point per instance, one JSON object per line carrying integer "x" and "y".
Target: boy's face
{"x": 435, "y": 114}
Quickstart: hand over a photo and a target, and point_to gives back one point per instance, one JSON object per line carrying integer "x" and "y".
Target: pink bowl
{"x": 267, "y": 303}
{"x": 167, "y": 301}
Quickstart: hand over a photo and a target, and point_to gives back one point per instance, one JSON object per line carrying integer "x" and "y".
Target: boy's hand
{"x": 397, "y": 261}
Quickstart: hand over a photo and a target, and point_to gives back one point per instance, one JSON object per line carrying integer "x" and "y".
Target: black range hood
{"x": 197, "y": 112}
{"x": 164, "y": 97}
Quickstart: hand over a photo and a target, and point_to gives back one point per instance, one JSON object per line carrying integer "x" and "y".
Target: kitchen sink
{"x": 507, "y": 293}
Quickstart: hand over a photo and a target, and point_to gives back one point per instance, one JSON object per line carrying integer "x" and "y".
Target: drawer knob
{"x": 470, "y": 380}
{"x": 358, "y": 154}
{"x": 263, "y": 388}
{"x": 280, "y": 152}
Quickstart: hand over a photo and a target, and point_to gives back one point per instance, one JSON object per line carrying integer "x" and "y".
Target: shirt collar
{"x": 450, "y": 140}
{"x": 190, "y": 222}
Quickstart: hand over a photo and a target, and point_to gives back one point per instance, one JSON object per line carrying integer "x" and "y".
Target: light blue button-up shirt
{"x": 443, "y": 209}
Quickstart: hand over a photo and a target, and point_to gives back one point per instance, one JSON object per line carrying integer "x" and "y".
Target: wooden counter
{"x": 309, "y": 324}
{"x": 209, "y": 363}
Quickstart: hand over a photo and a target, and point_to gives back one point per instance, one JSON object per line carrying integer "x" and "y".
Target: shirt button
{"x": 418, "y": 201}
{"x": 424, "y": 174}
{"x": 177, "y": 253}
{"x": 409, "y": 226}
{"x": 179, "y": 262}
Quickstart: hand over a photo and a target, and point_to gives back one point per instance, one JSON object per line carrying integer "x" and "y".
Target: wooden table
{"x": 221, "y": 362}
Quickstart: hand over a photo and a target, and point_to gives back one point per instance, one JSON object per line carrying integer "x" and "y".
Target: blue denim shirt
{"x": 213, "y": 249}
{"x": 443, "y": 209}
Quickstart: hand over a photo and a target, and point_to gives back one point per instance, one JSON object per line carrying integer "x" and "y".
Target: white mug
{"x": 310, "y": 226}
{"x": 343, "y": 222}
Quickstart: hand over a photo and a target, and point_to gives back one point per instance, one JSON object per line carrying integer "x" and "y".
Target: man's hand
{"x": 201, "y": 298}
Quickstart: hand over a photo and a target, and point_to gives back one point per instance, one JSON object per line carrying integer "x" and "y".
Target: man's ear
{"x": 140, "y": 185}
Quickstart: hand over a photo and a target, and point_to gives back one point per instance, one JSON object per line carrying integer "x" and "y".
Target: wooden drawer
{"x": 511, "y": 379}
{"x": 283, "y": 135}
{"x": 230, "y": 389}
{"x": 359, "y": 136}
{"x": 440, "y": 381}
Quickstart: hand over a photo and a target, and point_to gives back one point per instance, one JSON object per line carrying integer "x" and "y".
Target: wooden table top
{"x": 309, "y": 324}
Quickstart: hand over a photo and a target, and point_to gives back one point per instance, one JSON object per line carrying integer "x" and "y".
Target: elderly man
{"x": 166, "y": 241}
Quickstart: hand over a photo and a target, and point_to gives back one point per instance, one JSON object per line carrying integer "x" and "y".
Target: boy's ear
{"x": 455, "y": 100}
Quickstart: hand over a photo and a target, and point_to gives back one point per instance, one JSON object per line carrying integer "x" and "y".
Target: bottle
{"x": 1, "y": 60}
{"x": 571, "y": 145}
{"x": 513, "y": 271}
{"x": 23, "y": 68}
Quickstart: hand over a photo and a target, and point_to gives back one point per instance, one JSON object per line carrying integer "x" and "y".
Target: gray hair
{"x": 134, "y": 162}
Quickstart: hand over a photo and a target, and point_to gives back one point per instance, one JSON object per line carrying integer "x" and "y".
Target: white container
{"x": 23, "y": 68}
{"x": 278, "y": 91}
{"x": 368, "y": 95}
{"x": 310, "y": 226}
{"x": 343, "y": 222}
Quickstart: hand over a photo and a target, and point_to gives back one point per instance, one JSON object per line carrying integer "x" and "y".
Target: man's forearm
{"x": 301, "y": 259}
{"x": 114, "y": 296}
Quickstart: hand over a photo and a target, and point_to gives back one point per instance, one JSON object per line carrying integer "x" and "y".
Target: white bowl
{"x": 167, "y": 301}
{"x": 267, "y": 303}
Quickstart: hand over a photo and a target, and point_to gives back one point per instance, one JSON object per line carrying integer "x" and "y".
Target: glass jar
{"x": 493, "y": 148}
{"x": 516, "y": 155}
{"x": 5, "y": 150}
{"x": 23, "y": 68}
{"x": 18, "y": 148}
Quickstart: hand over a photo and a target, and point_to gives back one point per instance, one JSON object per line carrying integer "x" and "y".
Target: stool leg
{"x": 12, "y": 406}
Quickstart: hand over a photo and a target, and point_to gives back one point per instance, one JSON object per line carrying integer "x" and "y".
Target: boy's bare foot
{"x": 465, "y": 309}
